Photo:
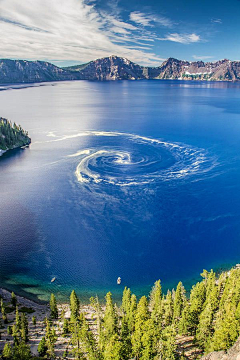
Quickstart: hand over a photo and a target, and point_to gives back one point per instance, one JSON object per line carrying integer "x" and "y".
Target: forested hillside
{"x": 12, "y": 135}
{"x": 149, "y": 328}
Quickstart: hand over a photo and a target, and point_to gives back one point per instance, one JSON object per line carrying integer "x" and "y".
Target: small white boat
{"x": 53, "y": 279}
{"x": 119, "y": 280}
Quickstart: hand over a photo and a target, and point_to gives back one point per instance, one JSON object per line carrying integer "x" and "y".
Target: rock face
{"x": 110, "y": 68}
{"x": 232, "y": 354}
{"x": 221, "y": 70}
{"x": 22, "y": 71}
{"x": 117, "y": 68}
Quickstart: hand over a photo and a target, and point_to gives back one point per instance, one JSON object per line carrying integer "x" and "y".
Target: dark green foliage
{"x": 7, "y": 351}
{"x": 53, "y": 307}
{"x": 12, "y": 136}
{"x": 34, "y": 320}
{"x": 24, "y": 328}
{"x": 143, "y": 329}
{"x": 21, "y": 352}
{"x": 65, "y": 326}
{"x": 42, "y": 347}
{"x": 13, "y": 299}
{"x": 74, "y": 306}
{"x": 3, "y": 311}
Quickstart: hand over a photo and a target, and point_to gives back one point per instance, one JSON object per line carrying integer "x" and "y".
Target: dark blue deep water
{"x": 133, "y": 179}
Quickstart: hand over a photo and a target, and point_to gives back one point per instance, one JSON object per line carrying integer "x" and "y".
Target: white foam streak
{"x": 116, "y": 167}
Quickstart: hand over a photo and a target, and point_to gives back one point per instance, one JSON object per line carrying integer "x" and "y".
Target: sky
{"x": 146, "y": 32}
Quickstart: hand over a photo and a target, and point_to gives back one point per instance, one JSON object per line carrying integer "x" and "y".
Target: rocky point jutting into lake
{"x": 12, "y": 136}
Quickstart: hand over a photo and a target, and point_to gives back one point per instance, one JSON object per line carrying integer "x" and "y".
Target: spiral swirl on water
{"x": 134, "y": 160}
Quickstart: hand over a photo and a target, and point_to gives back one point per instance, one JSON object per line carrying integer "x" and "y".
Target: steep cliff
{"x": 117, "y": 68}
{"x": 22, "y": 71}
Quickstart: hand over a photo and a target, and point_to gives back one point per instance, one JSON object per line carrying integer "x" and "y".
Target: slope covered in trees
{"x": 148, "y": 328}
{"x": 12, "y": 135}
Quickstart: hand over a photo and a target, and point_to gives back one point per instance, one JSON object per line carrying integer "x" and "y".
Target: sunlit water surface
{"x": 133, "y": 179}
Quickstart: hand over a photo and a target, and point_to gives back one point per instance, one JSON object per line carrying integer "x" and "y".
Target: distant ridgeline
{"x": 12, "y": 135}
{"x": 164, "y": 327}
{"x": 117, "y": 68}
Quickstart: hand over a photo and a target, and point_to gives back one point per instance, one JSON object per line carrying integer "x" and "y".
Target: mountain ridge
{"x": 118, "y": 68}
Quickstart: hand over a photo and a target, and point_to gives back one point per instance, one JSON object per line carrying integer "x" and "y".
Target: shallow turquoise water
{"x": 133, "y": 179}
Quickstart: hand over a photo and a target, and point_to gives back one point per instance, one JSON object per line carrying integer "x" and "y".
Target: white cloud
{"x": 149, "y": 19}
{"x": 181, "y": 38}
{"x": 217, "y": 21}
{"x": 200, "y": 57}
{"x": 70, "y": 30}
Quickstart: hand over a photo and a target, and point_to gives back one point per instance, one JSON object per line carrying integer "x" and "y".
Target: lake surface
{"x": 133, "y": 179}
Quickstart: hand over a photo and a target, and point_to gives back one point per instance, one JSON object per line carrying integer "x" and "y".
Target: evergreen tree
{"x": 3, "y": 311}
{"x": 34, "y": 320}
{"x": 21, "y": 351}
{"x": 204, "y": 329}
{"x": 168, "y": 309}
{"x": 110, "y": 318}
{"x": 51, "y": 338}
{"x": 156, "y": 302}
{"x": 7, "y": 351}
{"x": 149, "y": 340}
{"x": 13, "y": 300}
{"x": 179, "y": 300}
{"x": 65, "y": 326}
{"x": 42, "y": 347}
{"x": 126, "y": 301}
{"x": 24, "y": 328}
{"x": 53, "y": 307}
{"x": 74, "y": 306}
{"x": 112, "y": 349}
{"x": 226, "y": 329}
{"x": 167, "y": 344}
{"x": 17, "y": 319}
{"x": 142, "y": 315}
{"x": 125, "y": 336}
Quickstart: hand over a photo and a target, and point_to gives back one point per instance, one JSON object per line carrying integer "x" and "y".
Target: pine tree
{"x": 24, "y": 328}
{"x": 167, "y": 344}
{"x": 149, "y": 340}
{"x": 51, "y": 339}
{"x": 34, "y": 320}
{"x": 125, "y": 336}
{"x": 65, "y": 326}
{"x": 74, "y": 306}
{"x": 184, "y": 323}
{"x": 13, "y": 300}
{"x": 112, "y": 349}
{"x": 179, "y": 300}
{"x": 226, "y": 328}
{"x": 42, "y": 347}
{"x": 168, "y": 309}
{"x": 197, "y": 300}
{"x": 126, "y": 300}
{"x": 156, "y": 302}
{"x": 21, "y": 351}
{"x": 7, "y": 351}
{"x": 204, "y": 329}
{"x": 142, "y": 315}
{"x": 132, "y": 313}
{"x": 17, "y": 319}
{"x": 3, "y": 311}
{"x": 110, "y": 318}
{"x": 53, "y": 307}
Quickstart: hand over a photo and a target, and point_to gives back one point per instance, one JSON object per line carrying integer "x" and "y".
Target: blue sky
{"x": 145, "y": 31}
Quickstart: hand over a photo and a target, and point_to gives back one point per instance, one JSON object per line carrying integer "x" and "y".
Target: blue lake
{"x": 133, "y": 179}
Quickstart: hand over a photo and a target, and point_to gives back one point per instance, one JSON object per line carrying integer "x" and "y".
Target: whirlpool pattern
{"x": 127, "y": 159}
